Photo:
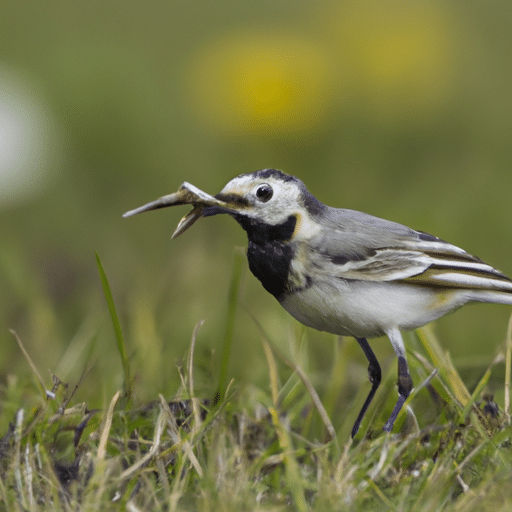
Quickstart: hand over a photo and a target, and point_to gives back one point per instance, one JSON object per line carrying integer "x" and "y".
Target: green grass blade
{"x": 238, "y": 265}
{"x": 121, "y": 346}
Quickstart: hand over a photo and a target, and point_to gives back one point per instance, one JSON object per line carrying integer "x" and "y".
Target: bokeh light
{"x": 27, "y": 141}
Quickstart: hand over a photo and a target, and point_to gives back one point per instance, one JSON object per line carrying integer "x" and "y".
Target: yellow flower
{"x": 260, "y": 83}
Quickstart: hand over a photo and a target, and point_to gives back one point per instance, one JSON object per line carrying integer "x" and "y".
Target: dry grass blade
{"x": 341, "y": 474}
{"x": 442, "y": 360}
{"x": 293, "y": 477}
{"x": 386, "y": 501}
{"x": 29, "y": 479}
{"x": 478, "y": 389}
{"x": 33, "y": 367}
{"x": 17, "y": 455}
{"x": 190, "y": 371}
{"x": 185, "y": 444}
{"x": 314, "y": 397}
{"x": 305, "y": 380}
{"x": 310, "y": 389}
{"x": 428, "y": 365}
{"x": 142, "y": 462}
{"x": 102, "y": 447}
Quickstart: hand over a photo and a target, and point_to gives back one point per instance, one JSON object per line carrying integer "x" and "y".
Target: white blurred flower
{"x": 28, "y": 142}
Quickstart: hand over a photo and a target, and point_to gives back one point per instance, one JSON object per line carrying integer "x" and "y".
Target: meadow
{"x": 139, "y": 372}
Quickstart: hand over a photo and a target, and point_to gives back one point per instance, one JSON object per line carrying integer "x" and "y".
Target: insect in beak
{"x": 186, "y": 194}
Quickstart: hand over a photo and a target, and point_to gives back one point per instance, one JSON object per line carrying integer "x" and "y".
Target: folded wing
{"x": 358, "y": 246}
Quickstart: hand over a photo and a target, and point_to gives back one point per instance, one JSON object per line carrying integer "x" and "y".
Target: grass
{"x": 121, "y": 345}
{"x": 271, "y": 449}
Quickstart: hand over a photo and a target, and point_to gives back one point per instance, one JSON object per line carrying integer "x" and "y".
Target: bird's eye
{"x": 264, "y": 192}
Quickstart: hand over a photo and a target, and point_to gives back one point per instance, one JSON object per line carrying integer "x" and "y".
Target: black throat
{"x": 270, "y": 252}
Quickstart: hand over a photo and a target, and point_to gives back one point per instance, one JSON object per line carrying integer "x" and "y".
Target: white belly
{"x": 369, "y": 309}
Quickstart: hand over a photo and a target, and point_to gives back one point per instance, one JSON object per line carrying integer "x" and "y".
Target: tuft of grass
{"x": 173, "y": 455}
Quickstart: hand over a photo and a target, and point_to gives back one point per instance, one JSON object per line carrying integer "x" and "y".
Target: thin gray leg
{"x": 404, "y": 378}
{"x": 374, "y": 374}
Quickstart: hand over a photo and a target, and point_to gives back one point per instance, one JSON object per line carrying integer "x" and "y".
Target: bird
{"x": 343, "y": 271}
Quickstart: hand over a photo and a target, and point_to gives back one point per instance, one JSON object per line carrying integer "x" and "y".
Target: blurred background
{"x": 400, "y": 109}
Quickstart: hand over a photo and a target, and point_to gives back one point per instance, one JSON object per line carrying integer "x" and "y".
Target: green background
{"x": 400, "y": 109}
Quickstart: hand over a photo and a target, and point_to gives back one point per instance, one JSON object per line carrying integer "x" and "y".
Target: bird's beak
{"x": 186, "y": 194}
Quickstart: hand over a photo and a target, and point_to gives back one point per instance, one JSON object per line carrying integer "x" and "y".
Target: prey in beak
{"x": 186, "y": 194}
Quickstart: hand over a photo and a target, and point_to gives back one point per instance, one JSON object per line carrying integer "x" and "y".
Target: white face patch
{"x": 286, "y": 201}
{"x": 238, "y": 186}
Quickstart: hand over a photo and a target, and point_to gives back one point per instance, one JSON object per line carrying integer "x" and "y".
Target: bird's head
{"x": 266, "y": 203}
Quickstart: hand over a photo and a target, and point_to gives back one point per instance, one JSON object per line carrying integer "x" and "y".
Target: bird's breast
{"x": 270, "y": 252}
{"x": 270, "y": 263}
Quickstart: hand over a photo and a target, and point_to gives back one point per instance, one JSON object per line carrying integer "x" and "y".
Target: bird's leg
{"x": 404, "y": 378}
{"x": 374, "y": 374}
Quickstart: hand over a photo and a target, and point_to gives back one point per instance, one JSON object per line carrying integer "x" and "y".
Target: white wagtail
{"x": 343, "y": 271}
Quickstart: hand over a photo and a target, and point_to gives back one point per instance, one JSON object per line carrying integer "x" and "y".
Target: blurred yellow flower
{"x": 260, "y": 83}
{"x": 388, "y": 60}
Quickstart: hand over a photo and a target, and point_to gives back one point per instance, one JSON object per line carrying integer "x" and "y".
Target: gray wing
{"x": 358, "y": 246}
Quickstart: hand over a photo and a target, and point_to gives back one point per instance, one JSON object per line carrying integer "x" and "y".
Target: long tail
{"x": 494, "y": 296}
{"x": 457, "y": 269}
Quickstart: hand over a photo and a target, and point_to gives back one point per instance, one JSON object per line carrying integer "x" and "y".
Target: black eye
{"x": 264, "y": 192}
